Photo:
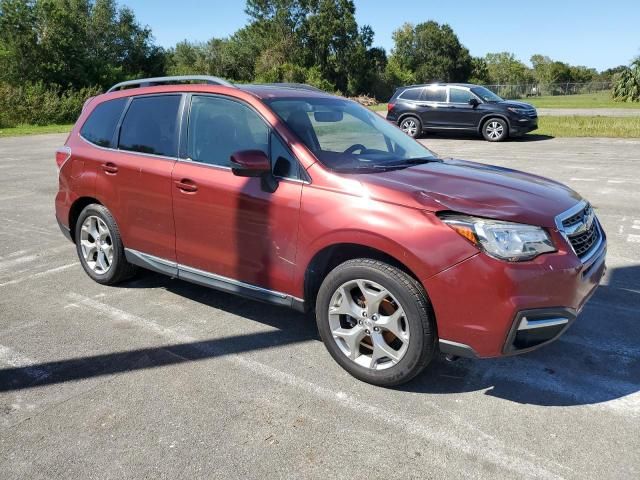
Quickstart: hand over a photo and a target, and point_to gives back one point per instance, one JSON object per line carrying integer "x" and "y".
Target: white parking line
{"x": 12, "y": 358}
{"x": 474, "y": 443}
{"x": 40, "y": 274}
{"x": 633, "y": 238}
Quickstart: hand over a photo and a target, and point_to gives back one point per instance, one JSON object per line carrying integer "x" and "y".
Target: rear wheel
{"x": 411, "y": 126}
{"x": 495, "y": 130}
{"x": 100, "y": 247}
{"x": 375, "y": 321}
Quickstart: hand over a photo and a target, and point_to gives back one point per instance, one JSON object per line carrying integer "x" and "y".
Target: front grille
{"x": 583, "y": 242}
{"x": 583, "y": 231}
{"x": 577, "y": 218}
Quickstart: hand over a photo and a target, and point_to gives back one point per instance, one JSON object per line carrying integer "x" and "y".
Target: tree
{"x": 505, "y": 69}
{"x": 18, "y": 37}
{"x": 432, "y": 52}
{"x": 479, "y": 71}
{"x": 626, "y": 84}
{"x": 74, "y": 43}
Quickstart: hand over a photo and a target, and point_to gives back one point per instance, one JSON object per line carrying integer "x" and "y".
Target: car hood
{"x": 513, "y": 103}
{"x": 474, "y": 189}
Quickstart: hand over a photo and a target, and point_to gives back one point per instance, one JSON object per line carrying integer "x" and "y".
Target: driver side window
{"x": 219, "y": 127}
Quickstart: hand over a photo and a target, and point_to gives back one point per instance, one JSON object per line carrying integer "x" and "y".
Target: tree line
{"x": 68, "y": 47}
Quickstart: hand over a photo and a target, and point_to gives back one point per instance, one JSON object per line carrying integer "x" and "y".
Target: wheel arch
{"x": 330, "y": 256}
{"x": 74, "y": 212}
{"x": 408, "y": 114}
{"x": 489, "y": 116}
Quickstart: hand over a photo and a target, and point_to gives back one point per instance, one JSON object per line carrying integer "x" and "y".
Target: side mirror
{"x": 474, "y": 102}
{"x": 254, "y": 163}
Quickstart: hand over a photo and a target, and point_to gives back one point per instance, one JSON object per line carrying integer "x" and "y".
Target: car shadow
{"x": 596, "y": 361}
{"x": 528, "y": 137}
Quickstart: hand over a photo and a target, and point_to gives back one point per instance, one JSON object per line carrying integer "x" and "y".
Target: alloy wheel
{"x": 368, "y": 324}
{"x": 96, "y": 244}
{"x": 494, "y": 130}
{"x": 410, "y": 127}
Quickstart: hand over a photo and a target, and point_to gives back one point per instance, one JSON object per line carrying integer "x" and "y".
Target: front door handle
{"x": 110, "y": 168}
{"x": 186, "y": 185}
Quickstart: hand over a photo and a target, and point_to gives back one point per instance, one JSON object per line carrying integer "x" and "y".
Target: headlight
{"x": 514, "y": 242}
{"x": 518, "y": 110}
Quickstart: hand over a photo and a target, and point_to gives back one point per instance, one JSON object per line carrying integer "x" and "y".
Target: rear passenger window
{"x": 101, "y": 124}
{"x": 412, "y": 94}
{"x": 149, "y": 126}
{"x": 435, "y": 94}
{"x": 219, "y": 127}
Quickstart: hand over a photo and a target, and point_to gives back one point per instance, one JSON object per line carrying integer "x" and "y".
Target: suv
{"x": 311, "y": 201}
{"x": 459, "y": 107}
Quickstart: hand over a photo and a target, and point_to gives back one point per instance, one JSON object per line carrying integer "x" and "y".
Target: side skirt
{"x": 212, "y": 280}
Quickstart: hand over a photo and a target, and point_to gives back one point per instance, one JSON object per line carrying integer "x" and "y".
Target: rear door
{"x": 134, "y": 181}
{"x": 432, "y": 104}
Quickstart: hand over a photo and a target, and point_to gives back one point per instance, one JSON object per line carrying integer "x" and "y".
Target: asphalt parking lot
{"x": 162, "y": 379}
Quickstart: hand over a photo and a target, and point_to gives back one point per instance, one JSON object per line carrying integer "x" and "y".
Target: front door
{"x": 228, "y": 225}
{"x": 459, "y": 113}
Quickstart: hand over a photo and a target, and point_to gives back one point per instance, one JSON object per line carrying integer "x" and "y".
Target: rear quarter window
{"x": 101, "y": 124}
{"x": 411, "y": 94}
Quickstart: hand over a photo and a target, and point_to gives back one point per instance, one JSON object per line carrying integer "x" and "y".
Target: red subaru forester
{"x": 292, "y": 196}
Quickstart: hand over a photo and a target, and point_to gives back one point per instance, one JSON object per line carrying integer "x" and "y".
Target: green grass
{"x": 568, "y": 126}
{"x": 587, "y": 100}
{"x": 21, "y": 130}
{"x": 582, "y": 126}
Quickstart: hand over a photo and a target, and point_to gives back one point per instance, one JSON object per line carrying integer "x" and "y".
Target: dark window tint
{"x": 435, "y": 94}
{"x": 149, "y": 125}
{"x": 411, "y": 94}
{"x": 219, "y": 127}
{"x": 284, "y": 164}
{"x": 457, "y": 95}
{"x": 101, "y": 124}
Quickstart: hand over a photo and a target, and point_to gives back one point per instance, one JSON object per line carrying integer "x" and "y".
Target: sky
{"x": 593, "y": 33}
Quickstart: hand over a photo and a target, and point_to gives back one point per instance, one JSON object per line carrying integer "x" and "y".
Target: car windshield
{"x": 486, "y": 94}
{"x": 347, "y": 137}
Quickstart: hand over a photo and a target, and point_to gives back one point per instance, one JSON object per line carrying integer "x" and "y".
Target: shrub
{"x": 36, "y": 104}
{"x": 626, "y": 84}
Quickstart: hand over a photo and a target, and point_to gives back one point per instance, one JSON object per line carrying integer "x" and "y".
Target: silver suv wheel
{"x": 410, "y": 127}
{"x": 368, "y": 324}
{"x": 96, "y": 244}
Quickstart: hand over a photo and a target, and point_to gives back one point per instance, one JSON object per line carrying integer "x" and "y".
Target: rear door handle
{"x": 110, "y": 168}
{"x": 186, "y": 185}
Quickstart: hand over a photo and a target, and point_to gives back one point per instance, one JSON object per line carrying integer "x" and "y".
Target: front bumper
{"x": 488, "y": 308}
{"x": 522, "y": 125}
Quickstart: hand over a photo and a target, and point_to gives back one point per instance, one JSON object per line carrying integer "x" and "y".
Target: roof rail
{"x": 149, "y": 82}
{"x": 300, "y": 86}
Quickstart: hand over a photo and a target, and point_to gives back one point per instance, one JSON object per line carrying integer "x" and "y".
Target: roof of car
{"x": 440, "y": 84}
{"x": 267, "y": 91}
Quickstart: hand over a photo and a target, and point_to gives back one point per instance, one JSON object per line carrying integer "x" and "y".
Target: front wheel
{"x": 376, "y": 322}
{"x": 411, "y": 126}
{"x": 495, "y": 130}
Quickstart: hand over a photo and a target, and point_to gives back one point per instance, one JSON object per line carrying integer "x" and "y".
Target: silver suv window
{"x": 435, "y": 94}
{"x": 412, "y": 94}
{"x": 459, "y": 95}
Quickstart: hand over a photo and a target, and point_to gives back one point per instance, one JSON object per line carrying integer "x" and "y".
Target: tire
{"x": 103, "y": 257}
{"x": 360, "y": 343}
{"x": 495, "y": 130}
{"x": 411, "y": 125}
